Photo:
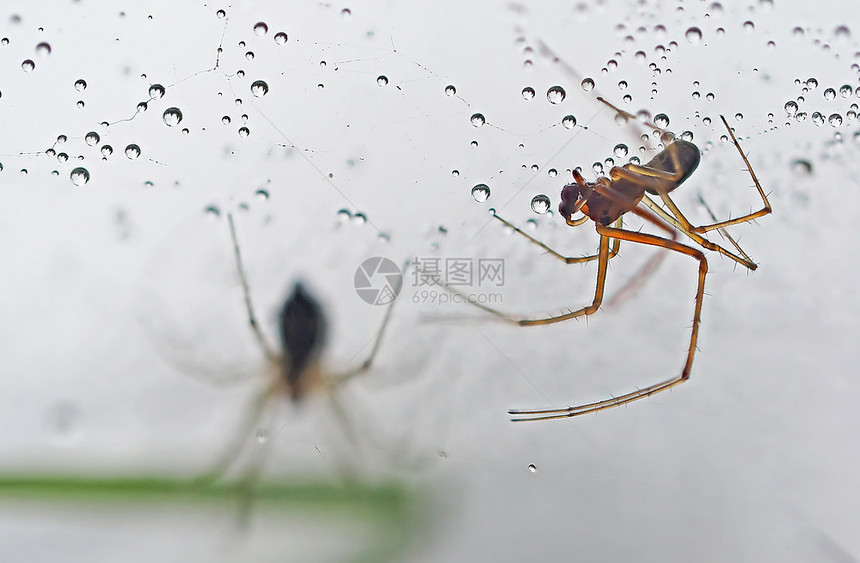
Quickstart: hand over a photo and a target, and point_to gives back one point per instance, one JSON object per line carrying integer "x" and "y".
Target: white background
{"x": 121, "y": 318}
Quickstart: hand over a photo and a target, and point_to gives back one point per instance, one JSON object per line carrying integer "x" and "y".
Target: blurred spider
{"x": 605, "y": 201}
{"x": 296, "y": 371}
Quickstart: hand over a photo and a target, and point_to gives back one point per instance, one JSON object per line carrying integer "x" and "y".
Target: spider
{"x": 605, "y": 201}
{"x": 296, "y": 371}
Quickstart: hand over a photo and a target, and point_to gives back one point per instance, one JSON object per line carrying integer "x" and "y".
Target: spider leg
{"x": 602, "y": 261}
{"x": 377, "y": 340}
{"x": 698, "y": 238}
{"x": 249, "y": 306}
{"x": 250, "y": 420}
{"x": 566, "y": 259}
{"x": 546, "y": 414}
{"x": 635, "y": 283}
{"x": 745, "y": 218}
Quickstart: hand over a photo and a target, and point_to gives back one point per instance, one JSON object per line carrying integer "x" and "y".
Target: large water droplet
{"x": 661, "y": 120}
{"x": 156, "y": 91}
{"x": 791, "y": 108}
{"x": 528, "y": 93}
{"x": 43, "y": 49}
{"x": 92, "y": 138}
{"x": 259, "y": 88}
{"x": 107, "y": 150}
{"x": 555, "y": 95}
{"x": 132, "y": 151}
{"x": 693, "y": 35}
{"x": 829, "y": 94}
{"x": 568, "y": 121}
{"x": 587, "y": 84}
{"x": 280, "y": 38}
{"x": 477, "y": 119}
{"x": 244, "y": 132}
{"x": 481, "y": 193}
{"x": 80, "y": 85}
{"x": 801, "y": 167}
{"x": 540, "y": 204}
{"x": 620, "y": 150}
{"x": 835, "y": 120}
{"x": 172, "y": 117}
{"x": 382, "y": 80}
{"x": 28, "y": 65}
{"x": 80, "y": 176}
{"x": 450, "y": 89}
{"x": 261, "y": 29}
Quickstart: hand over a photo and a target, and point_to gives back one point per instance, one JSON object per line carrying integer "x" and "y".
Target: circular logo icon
{"x": 378, "y": 280}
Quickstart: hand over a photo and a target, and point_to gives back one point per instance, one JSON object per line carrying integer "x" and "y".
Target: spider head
{"x": 575, "y": 196}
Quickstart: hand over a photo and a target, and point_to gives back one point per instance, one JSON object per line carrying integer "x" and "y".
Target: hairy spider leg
{"x": 607, "y": 232}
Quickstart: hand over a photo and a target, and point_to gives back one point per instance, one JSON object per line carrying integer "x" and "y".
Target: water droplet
{"x": 226, "y": 120}
{"x": 28, "y": 65}
{"x": 221, "y": 14}
{"x": 555, "y": 95}
{"x": 791, "y": 108}
{"x": 661, "y": 120}
{"x": 142, "y": 107}
{"x": 687, "y": 136}
{"x": 845, "y": 91}
{"x": 835, "y": 120}
{"x": 812, "y": 83}
{"x": 382, "y": 80}
{"x": 244, "y": 132}
{"x": 842, "y": 32}
{"x": 262, "y": 194}
{"x": 359, "y": 218}
{"x": 481, "y": 193}
{"x": 156, "y": 91}
{"x": 749, "y": 26}
{"x": 62, "y": 157}
{"x": 43, "y": 49}
{"x": 172, "y": 117}
{"x": 528, "y": 93}
{"x": 818, "y": 118}
{"x": 801, "y": 167}
{"x": 801, "y": 116}
{"x": 693, "y": 35}
{"x": 80, "y": 85}
{"x": 261, "y": 29}
{"x": 477, "y": 119}
{"x": 280, "y": 38}
{"x": 829, "y": 94}
{"x": 132, "y": 151}
{"x": 597, "y": 167}
{"x": 587, "y": 84}
{"x": 540, "y": 204}
{"x": 532, "y": 468}
{"x": 259, "y": 88}
{"x": 344, "y": 215}
{"x": 455, "y": 173}
{"x": 80, "y": 176}
{"x": 621, "y": 150}
{"x": 262, "y": 434}
{"x": 450, "y": 90}
{"x": 92, "y": 138}
{"x": 107, "y": 150}
{"x": 80, "y": 104}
